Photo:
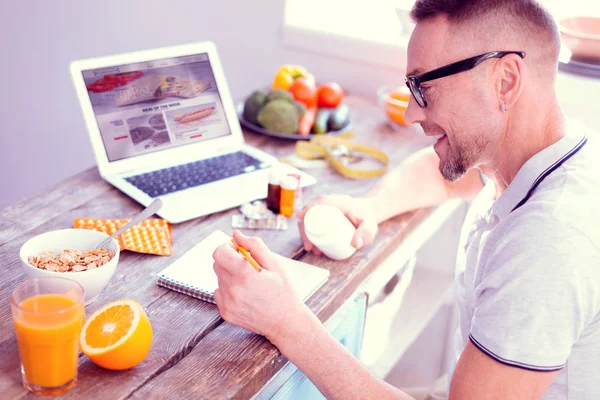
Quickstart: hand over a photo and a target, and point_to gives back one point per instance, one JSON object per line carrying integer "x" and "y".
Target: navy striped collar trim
{"x": 512, "y": 363}
{"x": 535, "y": 170}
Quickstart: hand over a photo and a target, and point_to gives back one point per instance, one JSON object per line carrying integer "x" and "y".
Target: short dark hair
{"x": 530, "y": 13}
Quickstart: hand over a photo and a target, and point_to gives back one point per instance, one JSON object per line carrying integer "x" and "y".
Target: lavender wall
{"x": 43, "y": 133}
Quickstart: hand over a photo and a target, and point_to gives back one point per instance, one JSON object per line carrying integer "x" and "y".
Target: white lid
{"x": 275, "y": 176}
{"x": 289, "y": 183}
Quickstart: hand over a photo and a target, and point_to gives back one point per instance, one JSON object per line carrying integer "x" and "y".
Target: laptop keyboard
{"x": 181, "y": 177}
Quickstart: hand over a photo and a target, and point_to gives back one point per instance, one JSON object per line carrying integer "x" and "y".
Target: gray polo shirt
{"x": 528, "y": 269}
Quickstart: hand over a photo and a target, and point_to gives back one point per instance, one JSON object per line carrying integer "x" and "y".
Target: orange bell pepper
{"x": 287, "y": 74}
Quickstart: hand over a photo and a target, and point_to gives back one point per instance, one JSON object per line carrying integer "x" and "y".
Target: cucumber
{"x": 339, "y": 118}
{"x": 322, "y": 120}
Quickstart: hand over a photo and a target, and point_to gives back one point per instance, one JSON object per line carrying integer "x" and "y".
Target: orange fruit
{"x": 117, "y": 336}
{"x": 396, "y": 104}
{"x": 397, "y": 116}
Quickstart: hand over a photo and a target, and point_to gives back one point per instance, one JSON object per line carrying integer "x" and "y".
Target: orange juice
{"x": 48, "y": 338}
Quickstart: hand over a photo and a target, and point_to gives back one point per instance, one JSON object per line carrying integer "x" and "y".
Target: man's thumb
{"x": 363, "y": 235}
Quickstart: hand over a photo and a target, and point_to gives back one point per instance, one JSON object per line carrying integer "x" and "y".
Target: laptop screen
{"x": 156, "y": 105}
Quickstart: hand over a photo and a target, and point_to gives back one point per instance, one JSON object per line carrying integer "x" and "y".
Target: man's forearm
{"x": 329, "y": 365}
{"x": 418, "y": 183}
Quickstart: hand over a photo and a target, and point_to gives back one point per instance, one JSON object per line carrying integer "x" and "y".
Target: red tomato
{"x": 304, "y": 91}
{"x": 330, "y": 95}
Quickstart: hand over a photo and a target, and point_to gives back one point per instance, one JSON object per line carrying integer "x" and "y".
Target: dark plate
{"x": 584, "y": 67}
{"x": 289, "y": 136}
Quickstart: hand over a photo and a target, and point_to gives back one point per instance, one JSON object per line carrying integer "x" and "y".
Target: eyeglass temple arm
{"x": 464, "y": 65}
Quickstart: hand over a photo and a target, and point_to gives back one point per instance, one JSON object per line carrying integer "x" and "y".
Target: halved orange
{"x": 397, "y": 116}
{"x": 117, "y": 336}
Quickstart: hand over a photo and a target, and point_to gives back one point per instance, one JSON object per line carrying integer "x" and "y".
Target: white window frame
{"x": 388, "y": 51}
{"x": 385, "y": 48}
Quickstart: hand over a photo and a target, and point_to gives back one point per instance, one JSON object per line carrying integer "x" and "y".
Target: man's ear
{"x": 510, "y": 70}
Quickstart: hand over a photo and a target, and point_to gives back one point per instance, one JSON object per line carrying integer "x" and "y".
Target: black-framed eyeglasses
{"x": 414, "y": 81}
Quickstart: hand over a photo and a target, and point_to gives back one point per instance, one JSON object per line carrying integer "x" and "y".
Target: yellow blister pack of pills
{"x": 151, "y": 236}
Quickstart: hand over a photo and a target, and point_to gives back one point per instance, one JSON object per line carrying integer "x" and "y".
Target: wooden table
{"x": 195, "y": 354}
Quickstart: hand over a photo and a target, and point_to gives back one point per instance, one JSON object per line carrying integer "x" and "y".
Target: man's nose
{"x": 414, "y": 113}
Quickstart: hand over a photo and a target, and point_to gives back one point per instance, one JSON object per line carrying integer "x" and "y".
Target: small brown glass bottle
{"x": 274, "y": 192}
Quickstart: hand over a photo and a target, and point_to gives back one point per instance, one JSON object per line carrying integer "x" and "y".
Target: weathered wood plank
{"x": 230, "y": 368}
{"x": 53, "y": 201}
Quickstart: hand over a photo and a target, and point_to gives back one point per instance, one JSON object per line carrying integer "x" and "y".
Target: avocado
{"x": 279, "y": 94}
{"x": 252, "y": 106}
{"x": 279, "y": 116}
{"x": 300, "y": 107}
{"x": 339, "y": 118}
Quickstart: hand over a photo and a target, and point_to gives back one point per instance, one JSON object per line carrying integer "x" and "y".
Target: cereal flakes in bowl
{"x": 71, "y": 253}
{"x": 71, "y": 260}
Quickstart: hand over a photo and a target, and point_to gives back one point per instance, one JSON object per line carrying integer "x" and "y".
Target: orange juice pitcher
{"x": 48, "y": 314}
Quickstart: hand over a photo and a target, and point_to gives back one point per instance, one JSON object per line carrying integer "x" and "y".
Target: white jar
{"x": 330, "y": 231}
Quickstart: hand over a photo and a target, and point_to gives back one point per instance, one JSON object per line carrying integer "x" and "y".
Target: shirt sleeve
{"x": 538, "y": 292}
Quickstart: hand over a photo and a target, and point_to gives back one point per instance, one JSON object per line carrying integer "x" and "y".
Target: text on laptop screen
{"x": 155, "y": 105}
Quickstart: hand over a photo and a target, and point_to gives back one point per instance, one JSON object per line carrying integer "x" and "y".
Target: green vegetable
{"x": 279, "y": 116}
{"x": 339, "y": 118}
{"x": 322, "y": 120}
{"x": 301, "y": 108}
{"x": 253, "y": 104}
{"x": 279, "y": 94}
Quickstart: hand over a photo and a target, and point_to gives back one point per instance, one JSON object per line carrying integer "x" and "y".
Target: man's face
{"x": 462, "y": 109}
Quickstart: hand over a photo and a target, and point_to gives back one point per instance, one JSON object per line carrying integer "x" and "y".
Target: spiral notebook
{"x": 193, "y": 273}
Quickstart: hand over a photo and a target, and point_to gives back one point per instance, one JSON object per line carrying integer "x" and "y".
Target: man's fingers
{"x": 221, "y": 272}
{"x": 300, "y": 214}
{"x": 229, "y": 259}
{"x": 353, "y": 219}
{"x": 257, "y": 248}
{"x": 357, "y": 241}
{"x": 308, "y": 246}
{"x": 364, "y": 234}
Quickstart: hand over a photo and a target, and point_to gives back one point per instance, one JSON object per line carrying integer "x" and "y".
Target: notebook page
{"x": 195, "y": 268}
{"x": 305, "y": 278}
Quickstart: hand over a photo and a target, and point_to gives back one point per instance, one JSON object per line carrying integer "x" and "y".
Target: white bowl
{"x": 384, "y": 100}
{"x": 94, "y": 280}
{"x": 581, "y": 35}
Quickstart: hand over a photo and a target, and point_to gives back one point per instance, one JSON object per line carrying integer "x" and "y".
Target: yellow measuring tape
{"x": 338, "y": 150}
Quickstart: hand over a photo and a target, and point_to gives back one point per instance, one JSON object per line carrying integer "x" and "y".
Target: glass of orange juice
{"x": 48, "y": 314}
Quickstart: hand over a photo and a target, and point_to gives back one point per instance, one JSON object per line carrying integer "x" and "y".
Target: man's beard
{"x": 455, "y": 166}
{"x": 461, "y": 157}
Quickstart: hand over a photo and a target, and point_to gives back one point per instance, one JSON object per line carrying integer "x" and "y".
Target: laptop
{"x": 163, "y": 124}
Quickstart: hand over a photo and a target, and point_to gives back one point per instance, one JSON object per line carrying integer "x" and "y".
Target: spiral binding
{"x": 184, "y": 288}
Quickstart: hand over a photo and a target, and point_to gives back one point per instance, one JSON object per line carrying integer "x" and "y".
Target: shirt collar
{"x": 535, "y": 169}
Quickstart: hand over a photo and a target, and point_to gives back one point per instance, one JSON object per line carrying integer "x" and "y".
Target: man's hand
{"x": 358, "y": 211}
{"x": 263, "y": 302}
